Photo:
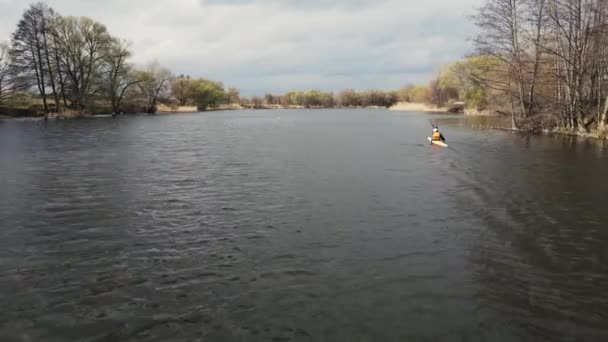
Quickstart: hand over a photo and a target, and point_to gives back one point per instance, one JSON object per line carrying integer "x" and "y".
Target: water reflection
{"x": 324, "y": 225}
{"x": 540, "y": 256}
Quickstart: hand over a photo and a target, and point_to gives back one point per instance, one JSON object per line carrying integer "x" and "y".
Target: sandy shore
{"x": 416, "y": 107}
{"x": 177, "y": 109}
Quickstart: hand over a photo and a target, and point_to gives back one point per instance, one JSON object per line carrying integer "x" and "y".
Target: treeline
{"x": 202, "y": 93}
{"x": 456, "y": 84}
{"x": 319, "y": 99}
{"x": 436, "y": 93}
{"x": 543, "y": 61}
{"x": 75, "y": 64}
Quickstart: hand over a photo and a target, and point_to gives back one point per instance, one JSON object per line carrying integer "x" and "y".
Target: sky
{"x": 262, "y": 46}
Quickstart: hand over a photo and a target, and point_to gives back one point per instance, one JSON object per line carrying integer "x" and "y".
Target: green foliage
{"x": 311, "y": 98}
{"x": 20, "y": 100}
{"x": 471, "y": 76}
{"x": 153, "y": 84}
{"x": 460, "y": 81}
{"x": 420, "y": 94}
{"x": 183, "y": 90}
{"x": 209, "y": 94}
{"x": 368, "y": 98}
{"x": 202, "y": 93}
{"x": 77, "y": 63}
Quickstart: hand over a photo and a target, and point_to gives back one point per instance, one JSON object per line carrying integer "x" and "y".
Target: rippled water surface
{"x": 326, "y": 225}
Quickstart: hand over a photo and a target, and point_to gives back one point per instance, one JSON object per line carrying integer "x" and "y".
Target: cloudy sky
{"x": 264, "y": 46}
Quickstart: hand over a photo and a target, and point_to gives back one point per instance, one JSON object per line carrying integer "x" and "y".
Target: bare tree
{"x": 76, "y": 62}
{"x": 8, "y": 82}
{"x": 535, "y": 38}
{"x": 154, "y": 83}
{"x": 28, "y": 49}
{"x": 233, "y": 95}
{"x": 82, "y": 44}
{"x": 116, "y": 74}
{"x": 547, "y": 49}
{"x": 500, "y": 37}
{"x": 574, "y": 22}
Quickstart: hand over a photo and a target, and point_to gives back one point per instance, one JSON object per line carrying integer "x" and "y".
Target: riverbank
{"x": 503, "y": 122}
{"x": 417, "y": 107}
{"x": 162, "y": 108}
{"x": 456, "y": 108}
{"x": 289, "y": 107}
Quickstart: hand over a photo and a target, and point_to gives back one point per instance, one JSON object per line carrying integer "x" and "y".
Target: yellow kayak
{"x": 438, "y": 143}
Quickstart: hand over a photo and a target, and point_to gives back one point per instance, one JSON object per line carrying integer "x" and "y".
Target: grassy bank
{"x": 15, "y": 112}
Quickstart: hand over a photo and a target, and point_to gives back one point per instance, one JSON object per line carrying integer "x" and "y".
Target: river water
{"x": 329, "y": 225}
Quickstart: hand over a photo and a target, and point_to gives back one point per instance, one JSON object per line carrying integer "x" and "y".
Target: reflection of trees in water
{"x": 540, "y": 260}
{"x": 477, "y": 122}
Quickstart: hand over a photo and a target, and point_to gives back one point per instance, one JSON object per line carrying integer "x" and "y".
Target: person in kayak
{"x": 437, "y": 136}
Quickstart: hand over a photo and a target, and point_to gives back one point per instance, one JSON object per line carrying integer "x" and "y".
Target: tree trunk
{"x": 40, "y": 63}
{"x": 50, "y": 70}
{"x": 59, "y": 72}
{"x": 513, "y": 125}
{"x": 603, "y": 122}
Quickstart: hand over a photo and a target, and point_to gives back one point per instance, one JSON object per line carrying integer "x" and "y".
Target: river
{"x": 325, "y": 225}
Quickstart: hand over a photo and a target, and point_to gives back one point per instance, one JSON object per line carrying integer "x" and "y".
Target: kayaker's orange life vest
{"x": 436, "y": 136}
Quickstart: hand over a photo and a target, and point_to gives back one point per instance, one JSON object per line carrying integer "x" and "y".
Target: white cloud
{"x": 276, "y": 45}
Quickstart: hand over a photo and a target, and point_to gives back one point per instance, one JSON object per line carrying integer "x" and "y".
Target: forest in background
{"x": 68, "y": 65}
{"x": 63, "y": 64}
{"x": 541, "y": 62}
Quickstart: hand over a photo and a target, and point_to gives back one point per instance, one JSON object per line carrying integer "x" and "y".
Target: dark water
{"x": 299, "y": 226}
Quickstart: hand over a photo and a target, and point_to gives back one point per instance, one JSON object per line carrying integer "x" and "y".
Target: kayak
{"x": 438, "y": 143}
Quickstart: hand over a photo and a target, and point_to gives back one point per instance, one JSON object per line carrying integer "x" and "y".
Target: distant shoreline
{"x": 454, "y": 108}
{"x": 409, "y": 107}
{"x": 417, "y": 107}
{"x": 168, "y": 111}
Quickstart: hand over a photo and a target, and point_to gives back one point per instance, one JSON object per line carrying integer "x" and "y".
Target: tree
{"x": 154, "y": 83}
{"x": 29, "y": 49}
{"x": 9, "y": 83}
{"x": 76, "y": 62}
{"x": 469, "y": 78}
{"x": 405, "y": 93}
{"x": 54, "y": 58}
{"x": 182, "y": 89}
{"x": 233, "y": 95}
{"x": 349, "y": 98}
{"x": 500, "y": 36}
{"x": 83, "y": 47}
{"x": 116, "y": 74}
{"x": 551, "y": 58}
{"x": 269, "y": 99}
{"x": 576, "y": 23}
{"x": 257, "y": 102}
{"x": 420, "y": 94}
{"x": 209, "y": 94}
